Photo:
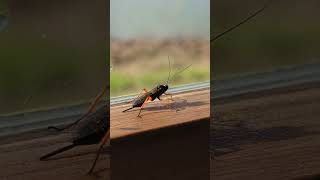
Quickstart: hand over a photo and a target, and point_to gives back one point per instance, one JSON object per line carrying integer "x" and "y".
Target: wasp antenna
{"x": 214, "y": 38}
{"x": 179, "y": 72}
{"x": 169, "y": 70}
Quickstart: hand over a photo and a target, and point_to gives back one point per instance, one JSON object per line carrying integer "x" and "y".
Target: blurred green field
{"x": 143, "y": 63}
{"x": 121, "y": 83}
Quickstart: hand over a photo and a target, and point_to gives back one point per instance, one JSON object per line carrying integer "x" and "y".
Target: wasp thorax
{"x": 162, "y": 87}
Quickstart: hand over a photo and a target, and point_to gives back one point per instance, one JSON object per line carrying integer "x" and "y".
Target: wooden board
{"x": 20, "y": 157}
{"x": 20, "y": 160}
{"x": 186, "y": 108}
{"x": 270, "y": 136}
{"x": 176, "y": 153}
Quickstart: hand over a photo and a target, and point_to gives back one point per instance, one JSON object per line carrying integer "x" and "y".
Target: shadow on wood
{"x": 180, "y": 152}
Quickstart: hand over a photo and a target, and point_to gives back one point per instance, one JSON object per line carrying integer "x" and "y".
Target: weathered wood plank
{"x": 20, "y": 160}
{"x": 270, "y": 136}
{"x": 191, "y": 106}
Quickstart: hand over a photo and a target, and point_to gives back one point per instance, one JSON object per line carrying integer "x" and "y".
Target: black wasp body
{"x": 153, "y": 94}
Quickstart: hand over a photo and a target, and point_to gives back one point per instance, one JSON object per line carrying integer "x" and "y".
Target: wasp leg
{"x": 103, "y": 142}
{"x": 90, "y": 110}
{"x": 96, "y": 100}
{"x": 148, "y": 98}
{"x": 168, "y": 94}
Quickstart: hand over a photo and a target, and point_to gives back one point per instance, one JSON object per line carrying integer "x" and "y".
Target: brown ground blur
{"x": 136, "y": 55}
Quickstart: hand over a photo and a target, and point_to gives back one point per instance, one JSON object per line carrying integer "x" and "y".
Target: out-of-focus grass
{"x": 143, "y": 63}
{"x": 124, "y": 84}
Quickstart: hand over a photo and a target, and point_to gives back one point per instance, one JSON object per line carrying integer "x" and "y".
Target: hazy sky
{"x": 159, "y": 18}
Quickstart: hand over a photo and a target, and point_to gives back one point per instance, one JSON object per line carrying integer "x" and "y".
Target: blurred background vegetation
{"x": 3, "y": 6}
{"x": 52, "y": 53}
{"x": 143, "y": 63}
{"x": 3, "y": 14}
{"x": 144, "y": 33}
{"x": 286, "y": 33}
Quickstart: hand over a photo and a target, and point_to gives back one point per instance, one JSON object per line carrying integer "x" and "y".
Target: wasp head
{"x": 162, "y": 88}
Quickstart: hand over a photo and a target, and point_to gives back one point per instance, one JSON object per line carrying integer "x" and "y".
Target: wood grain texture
{"x": 20, "y": 160}
{"x": 271, "y": 136}
{"x": 19, "y": 155}
{"x": 186, "y": 108}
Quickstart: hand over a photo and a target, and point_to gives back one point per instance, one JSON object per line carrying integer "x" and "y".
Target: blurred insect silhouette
{"x": 94, "y": 128}
{"x": 155, "y": 93}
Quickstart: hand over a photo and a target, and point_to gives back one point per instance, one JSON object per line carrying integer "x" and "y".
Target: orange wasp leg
{"x": 168, "y": 94}
{"x": 95, "y": 102}
{"x": 149, "y": 98}
{"x": 170, "y": 99}
{"x": 105, "y": 139}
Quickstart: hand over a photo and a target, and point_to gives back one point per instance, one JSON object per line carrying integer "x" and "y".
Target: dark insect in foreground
{"x": 155, "y": 93}
{"x": 94, "y": 128}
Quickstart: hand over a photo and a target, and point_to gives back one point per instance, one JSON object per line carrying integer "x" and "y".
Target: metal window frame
{"x": 245, "y": 83}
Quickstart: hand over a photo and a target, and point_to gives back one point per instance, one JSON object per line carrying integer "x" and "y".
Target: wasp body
{"x": 153, "y": 94}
